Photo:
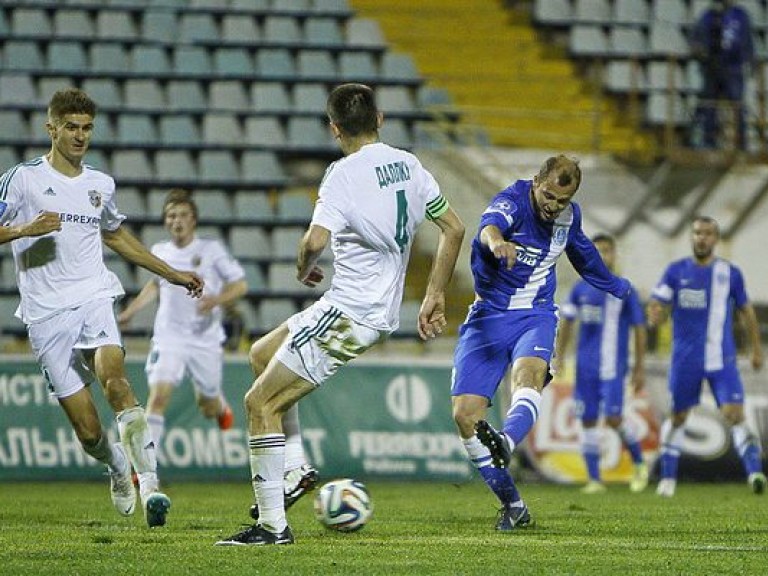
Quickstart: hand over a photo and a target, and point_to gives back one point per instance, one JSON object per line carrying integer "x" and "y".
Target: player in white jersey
{"x": 369, "y": 206}
{"x": 56, "y": 211}
{"x": 188, "y": 335}
{"x": 702, "y": 293}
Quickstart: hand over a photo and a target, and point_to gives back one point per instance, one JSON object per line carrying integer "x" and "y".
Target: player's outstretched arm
{"x": 231, "y": 293}
{"x": 432, "y": 312}
{"x": 43, "y": 223}
{"x": 147, "y": 295}
{"x": 128, "y": 246}
{"x": 505, "y": 252}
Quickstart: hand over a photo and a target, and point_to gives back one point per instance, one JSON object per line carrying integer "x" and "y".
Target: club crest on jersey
{"x": 561, "y": 233}
{"x": 95, "y": 197}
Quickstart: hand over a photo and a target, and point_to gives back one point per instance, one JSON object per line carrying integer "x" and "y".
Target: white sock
{"x": 741, "y": 434}
{"x": 672, "y": 437}
{"x": 627, "y": 433}
{"x": 138, "y": 443}
{"x": 105, "y": 453}
{"x": 591, "y": 440}
{"x": 294, "y": 449}
{"x": 157, "y": 428}
{"x": 267, "y": 464}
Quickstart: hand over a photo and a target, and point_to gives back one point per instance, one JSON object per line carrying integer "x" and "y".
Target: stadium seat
{"x": 8, "y": 158}
{"x": 665, "y": 76}
{"x": 553, "y": 12}
{"x": 250, "y": 5}
{"x": 104, "y": 91}
{"x": 31, "y": 22}
{"x": 254, "y": 276}
{"x": 218, "y": 166}
{"x": 261, "y": 168}
{"x": 106, "y": 59}
{"x": 271, "y": 97}
{"x": 8, "y": 321}
{"x": 316, "y": 64}
{"x": 65, "y": 57}
{"x": 136, "y": 130}
{"x": 123, "y": 271}
{"x": 358, "y": 66}
{"x": 179, "y": 130}
{"x": 229, "y": 95}
{"x": 143, "y": 94}
{"x": 73, "y": 23}
{"x": 186, "y": 96}
{"x": 130, "y": 164}
{"x": 291, "y": 6}
{"x": 394, "y": 99}
{"x": 98, "y": 160}
{"x": 175, "y": 165}
{"x": 253, "y": 206}
{"x": 264, "y": 131}
{"x": 395, "y": 132}
{"x": 191, "y": 61}
{"x": 149, "y": 60}
{"x": 249, "y": 242}
{"x": 322, "y": 32}
{"x": 285, "y": 242}
{"x": 239, "y": 28}
{"x": 158, "y": 25}
{"x": 8, "y": 273}
{"x": 222, "y": 129}
{"x": 275, "y": 311}
{"x": 398, "y": 67}
{"x": 37, "y": 131}
{"x": 693, "y": 78}
{"x": 627, "y": 42}
{"x": 337, "y": 7}
{"x": 282, "y": 30}
{"x": 631, "y": 12}
{"x": 666, "y": 39}
{"x": 282, "y": 277}
{"x": 624, "y": 76}
{"x": 309, "y": 133}
{"x": 586, "y": 40}
{"x": 211, "y": 232}
{"x": 233, "y": 62}
{"x": 131, "y": 202}
{"x": 675, "y": 11}
{"x": 275, "y": 63}
{"x": 310, "y": 98}
{"x": 364, "y": 32}
{"x": 658, "y": 109}
{"x": 151, "y": 234}
{"x": 198, "y": 27}
{"x": 214, "y": 4}
{"x": 294, "y": 207}
{"x": 22, "y": 55}
{"x": 13, "y": 125}
{"x": 592, "y": 11}
{"x": 115, "y": 25}
{"x": 17, "y": 88}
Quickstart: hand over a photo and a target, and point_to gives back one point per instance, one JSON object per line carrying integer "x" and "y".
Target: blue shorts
{"x": 491, "y": 340}
{"x": 594, "y": 396}
{"x": 685, "y": 385}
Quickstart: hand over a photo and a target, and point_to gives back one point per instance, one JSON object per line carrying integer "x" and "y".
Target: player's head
{"x": 352, "y": 111}
{"x": 606, "y": 245}
{"x": 180, "y": 216}
{"x": 705, "y": 234}
{"x": 554, "y": 186}
{"x": 70, "y": 123}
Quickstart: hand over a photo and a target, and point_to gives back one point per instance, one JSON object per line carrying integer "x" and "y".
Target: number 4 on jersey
{"x": 401, "y": 230}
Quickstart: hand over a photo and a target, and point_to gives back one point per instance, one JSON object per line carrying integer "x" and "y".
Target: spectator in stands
{"x": 188, "y": 336}
{"x": 602, "y": 362}
{"x": 370, "y": 205}
{"x": 721, "y": 41}
{"x": 522, "y": 233}
{"x": 702, "y": 293}
{"x": 56, "y": 211}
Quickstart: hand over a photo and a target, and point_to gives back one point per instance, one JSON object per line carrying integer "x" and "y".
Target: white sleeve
{"x": 226, "y": 266}
{"x": 111, "y": 217}
{"x": 330, "y": 205}
{"x": 11, "y": 195}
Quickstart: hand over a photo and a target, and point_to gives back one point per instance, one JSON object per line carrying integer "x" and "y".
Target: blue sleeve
{"x": 588, "y": 263}
{"x": 664, "y": 291}
{"x": 738, "y": 290}
{"x": 500, "y": 213}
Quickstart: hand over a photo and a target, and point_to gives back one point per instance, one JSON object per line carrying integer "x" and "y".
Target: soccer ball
{"x": 343, "y": 505}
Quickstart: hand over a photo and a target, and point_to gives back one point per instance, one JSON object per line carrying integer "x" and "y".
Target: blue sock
{"x": 671, "y": 447}
{"x": 669, "y": 461}
{"x": 629, "y": 439}
{"x": 747, "y": 448}
{"x": 522, "y": 414}
{"x": 499, "y": 480}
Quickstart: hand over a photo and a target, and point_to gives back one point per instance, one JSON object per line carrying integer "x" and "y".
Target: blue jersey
{"x": 531, "y": 282}
{"x": 604, "y": 326}
{"x": 702, "y": 300}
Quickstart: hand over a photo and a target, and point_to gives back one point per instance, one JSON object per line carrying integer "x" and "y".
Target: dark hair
{"x": 352, "y": 107}
{"x": 180, "y": 196}
{"x": 603, "y": 237}
{"x": 707, "y": 220}
{"x": 566, "y": 169}
{"x": 70, "y": 101}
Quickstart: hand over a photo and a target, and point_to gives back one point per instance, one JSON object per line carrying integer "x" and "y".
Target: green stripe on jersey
{"x": 437, "y": 207}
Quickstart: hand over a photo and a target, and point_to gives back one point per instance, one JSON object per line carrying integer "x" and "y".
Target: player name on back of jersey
{"x": 393, "y": 173}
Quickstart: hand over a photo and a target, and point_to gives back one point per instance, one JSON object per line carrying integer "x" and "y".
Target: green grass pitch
{"x": 417, "y": 528}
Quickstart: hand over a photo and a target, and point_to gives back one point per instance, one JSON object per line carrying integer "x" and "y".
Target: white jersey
{"x": 178, "y": 322}
{"x": 372, "y": 201}
{"x": 62, "y": 269}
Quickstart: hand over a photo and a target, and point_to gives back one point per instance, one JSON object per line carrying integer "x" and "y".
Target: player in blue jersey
{"x": 703, "y": 292}
{"x": 522, "y": 233}
{"x": 601, "y": 365}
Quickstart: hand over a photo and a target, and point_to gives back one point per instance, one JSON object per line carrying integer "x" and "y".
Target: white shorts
{"x": 321, "y": 340}
{"x": 169, "y": 365}
{"x": 58, "y": 343}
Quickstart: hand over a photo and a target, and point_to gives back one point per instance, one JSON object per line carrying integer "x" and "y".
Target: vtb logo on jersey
{"x": 95, "y": 197}
{"x": 528, "y": 255}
